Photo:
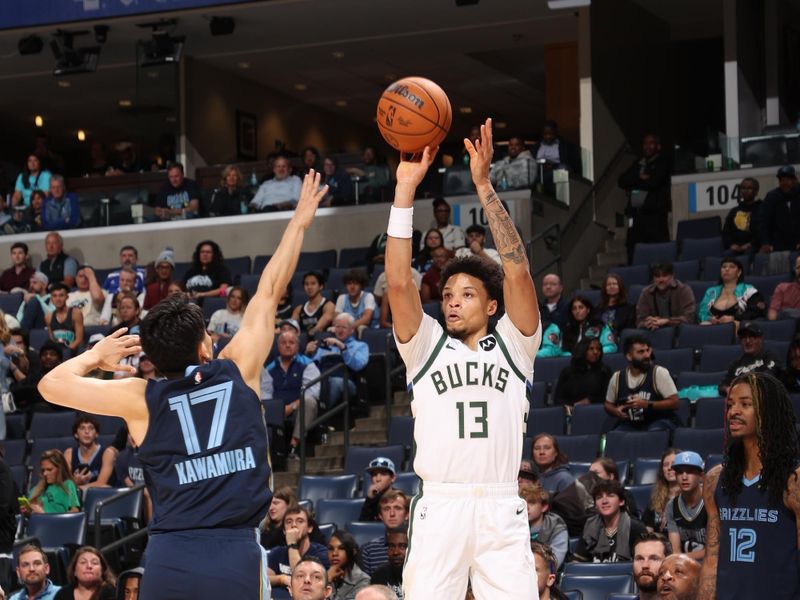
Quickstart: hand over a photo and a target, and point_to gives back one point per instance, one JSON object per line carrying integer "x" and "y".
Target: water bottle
{"x": 504, "y": 182}
{"x": 253, "y": 179}
{"x": 243, "y": 207}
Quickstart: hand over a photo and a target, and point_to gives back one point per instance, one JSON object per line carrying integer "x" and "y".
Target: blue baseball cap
{"x": 381, "y": 462}
{"x": 688, "y": 459}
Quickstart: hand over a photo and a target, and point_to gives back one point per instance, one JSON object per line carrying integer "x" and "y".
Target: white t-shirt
{"x": 224, "y": 321}
{"x": 83, "y": 301}
{"x": 470, "y": 408}
{"x": 661, "y": 377}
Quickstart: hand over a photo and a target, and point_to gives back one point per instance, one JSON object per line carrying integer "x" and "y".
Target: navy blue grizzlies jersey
{"x": 758, "y": 555}
{"x": 205, "y": 453}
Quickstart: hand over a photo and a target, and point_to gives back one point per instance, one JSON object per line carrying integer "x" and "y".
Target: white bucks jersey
{"x": 470, "y": 407}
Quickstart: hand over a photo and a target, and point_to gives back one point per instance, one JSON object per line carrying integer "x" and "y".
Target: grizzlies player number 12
{"x": 182, "y": 405}
{"x": 480, "y": 419}
{"x": 742, "y": 542}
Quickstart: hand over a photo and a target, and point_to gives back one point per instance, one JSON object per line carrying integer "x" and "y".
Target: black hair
{"x": 175, "y": 165}
{"x": 662, "y": 267}
{"x": 357, "y": 276}
{"x": 170, "y": 334}
{"x": 82, "y": 418}
{"x": 59, "y": 285}
{"x": 732, "y": 261}
{"x": 439, "y": 201}
{"x": 756, "y": 185}
{"x": 216, "y": 251}
{"x": 654, "y": 536}
{"x": 26, "y": 338}
{"x": 349, "y": 545}
{"x": 550, "y": 124}
{"x": 609, "y": 486}
{"x": 487, "y": 271}
{"x": 22, "y": 245}
{"x": 402, "y": 528}
{"x": 776, "y": 435}
{"x": 475, "y": 228}
{"x": 632, "y": 340}
{"x": 54, "y": 346}
{"x": 316, "y": 275}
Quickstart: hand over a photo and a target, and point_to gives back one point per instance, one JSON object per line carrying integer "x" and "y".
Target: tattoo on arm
{"x": 707, "y": 588}
{"x": 509, "y": 245}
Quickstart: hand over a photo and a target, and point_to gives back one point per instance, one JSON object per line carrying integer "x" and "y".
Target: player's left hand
{"x": 109, "y": 351}
{"x": 310, "y": 195}
{"x": 480, "y": 154}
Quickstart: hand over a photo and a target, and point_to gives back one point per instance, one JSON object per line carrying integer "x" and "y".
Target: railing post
{"x": 301, "y": 414}
{"x": 388, "y": 383}
{"x": 346, "y": 400}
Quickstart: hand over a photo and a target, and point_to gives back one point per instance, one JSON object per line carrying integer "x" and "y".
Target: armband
{"x": 401, "y": 222}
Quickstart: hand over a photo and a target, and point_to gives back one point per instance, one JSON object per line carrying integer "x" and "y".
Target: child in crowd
{"x": 546, "y": 527}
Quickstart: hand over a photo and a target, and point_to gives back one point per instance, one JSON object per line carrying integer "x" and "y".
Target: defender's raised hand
{"x": 480, "y": 154}
{"x": 310, "y": 196}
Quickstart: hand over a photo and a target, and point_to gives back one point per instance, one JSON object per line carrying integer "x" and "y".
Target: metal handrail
{"x": 101, "y": 504}
{"x": 556, "y": 260}
{"x": 344, "y": 406}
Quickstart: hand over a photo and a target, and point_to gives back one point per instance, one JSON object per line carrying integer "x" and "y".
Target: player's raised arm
{"x": 519, "y": 293}
{"x": 402, "y": 293}
{"x": 251, "y": 344}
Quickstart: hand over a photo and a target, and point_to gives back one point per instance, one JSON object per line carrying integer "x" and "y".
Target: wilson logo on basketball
{"x": 402, "y": 90}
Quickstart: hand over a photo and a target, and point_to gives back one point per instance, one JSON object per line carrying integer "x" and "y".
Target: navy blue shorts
{"x": 202, "y": 564}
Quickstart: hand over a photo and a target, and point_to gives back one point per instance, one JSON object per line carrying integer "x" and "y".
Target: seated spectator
{"x": 91, "y": 464}
{"x": 780, "y": 214}
{"x": 476, "y": 242}
{"x": 611, "y": 534}
{"x": 279, "y": 193}
{"x": 60, "y": 209}
{"x": 686, "y": 514}
{"x": 580, "y": 324}
{"x": 666, "y": 302}
{"x": 311, "y": 160}
{"x": 518, "y": 168}
{"x": 272, "y": 531}
{"x": 146, "y": 369}
{"x": 785, "y": 301}
{"x": 283, "y": 378}
{"x": 33, "y": 570}
{"x": 791, "y": 376}
{"x": 546, "y": 527}
{"x": 89, "y": 576}
{"x": 33, "y": 177}
{"x": 129, "y": 583}
{"x": 551, "y": 153}
{"x": 88, "y": 297}
{"x": 553, "y": 308}
{"x": 26, "y": 218}
{"x": 356, "y": 302}
{"x": 208, "y": 275}
{"x": 382, "y": 298}
{"x": 430, "y": 291}
{"x": 128, "y": 257}
{"x": 678, "y": 578}
{"x": 58, "y": 266}
{"x": 130, "y": 317}
{"x": 340, "y": 186}
{"x": 614, "y": 310}
{"x": 740, "y": 231}
{"x": 19, "y": 273}
{"x": 423, "y": 261}
{"x": 55, "y": 492}
{"x": 394, "y": 513}
{"x": 309, "y": 580}
{"x": 126, "y": 160}
{"x": 606, "y": 468}
{"x": 179, "y": 197}
{"x": 344, "y": 574}
{"x": 50, "y": 356}
{"x": 754, "y": 357}
{"x": 316, "y": 313}
{"x": 391, "y": 574}
{"x": 376, "y": 174}
{"x": 664, "y": 490}
{"x": 345, "y": 347}
{"x": 731, "y": 300}
{"x": 546, "y": 568}
{"x": 24, "y": 362}
{"x": 585, "y": 380}
{"x": 98, "y": 163}
{"x": 554, "y": 474}
{"x": 225, "y": 322}
{"x": 127, "y": 281}
{"x": 452, "y": 235}
{"x": 298, "y": 524}
{"x": 528, "y": 476}
{"x": 231, "y": 197}
{"x": 35, "y": 303}
{"x": 648, "y": 553}
{"x": 158, "y": 290}
{"x": 64, "y": 323}
{"x": 648, "y": 184}
{"x": 382, "y": 475}
{"x": 645, "y": 399}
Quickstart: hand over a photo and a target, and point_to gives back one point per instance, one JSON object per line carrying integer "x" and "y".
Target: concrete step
{"x": 597, "y": 273}
{"x": 358, "y": 437}
{"x": 281, "y": 478}
{"x": 329, "y": 450}
{"x": 615, "y": 245}
{"x": 397, "y": 411}
{"x": 612, "y": 258}
{"x": 315, "y": 464}
{"x": 371, "y": 423}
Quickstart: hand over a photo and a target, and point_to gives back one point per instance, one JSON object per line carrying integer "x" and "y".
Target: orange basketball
{"x": 413, "y": 113}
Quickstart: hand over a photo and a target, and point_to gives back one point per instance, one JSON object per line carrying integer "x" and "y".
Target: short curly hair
{"x": 487, "y": 271}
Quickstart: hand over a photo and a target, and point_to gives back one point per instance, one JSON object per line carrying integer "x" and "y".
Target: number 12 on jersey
{"x": 478, "y": 419}
{"x": 742, "y": 542}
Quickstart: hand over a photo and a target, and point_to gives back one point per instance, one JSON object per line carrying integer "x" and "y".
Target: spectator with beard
{"x": 785, "y": 300}
{"x": 648, "y": 553}
{"x": 666, "y": 302}
{"x": 391, "y": 574}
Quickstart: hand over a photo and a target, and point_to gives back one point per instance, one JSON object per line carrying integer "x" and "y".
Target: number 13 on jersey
{"x": 473, "y": 415}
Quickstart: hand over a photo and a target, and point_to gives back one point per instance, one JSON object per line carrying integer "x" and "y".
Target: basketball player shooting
{"x": 469, "y": 402}
{"x": 200, "y": 432}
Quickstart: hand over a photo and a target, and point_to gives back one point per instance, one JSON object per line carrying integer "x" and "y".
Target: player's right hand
{"x": 310, "y": 196}
{"x": 413, "y": 171}
{"x": 110, "y": 351}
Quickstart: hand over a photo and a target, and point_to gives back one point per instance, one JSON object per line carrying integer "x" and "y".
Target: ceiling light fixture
{"x": 125, "y": 103}
{"x": 465, "y": 110}
{"x": 81, "y": 135}
{"x": 562, "y": 4}
{"x": 63, "y": 83}
{"x": 243, "y": 65}
{"x": 38, "y": 120}
{"x": 338, "y": 54}
{"x": 341, "y": 103}
{"x": 300, "y": 87}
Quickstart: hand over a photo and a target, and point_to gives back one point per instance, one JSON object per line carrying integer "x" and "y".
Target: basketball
{"x": 413, "y": 113}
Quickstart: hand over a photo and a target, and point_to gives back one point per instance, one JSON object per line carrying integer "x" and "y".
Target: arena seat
{"x": 597, "y": 587}
{"x": 408, "y": 482}
{"x": 641, "y": 495}
{"x": 697, "y": 336}
{"x": 259, "y": 262}
{"x": 597, "y": 569}
{"x": 212, "y": 305}
{"x": 647, "y": 254}
{"x": 353, "y": 257}
{"x": 9, "y": 303}
{"x": 615, "y": 361}
{"x": 20, "y": 474}
{"x": 579, "y": 468}
{"x": 365, "y": 531}
{"x": 782, "y": 330}
{"x": 625, "y": 445}
{"x": 708, "y": 227}
{"x": 401, "y": 432}
{"x": 546, "y": 420}
{"x": 660, "y": 339}
{"x": 689, "y": 378}
{"x": 675, "y": 360}
{"x": 702, "y": 441}
{"x": 14, "y": 451}
{"x": 699, "y": 248}
{"x": 710, "y": 413}
{"x": 316, "y": 488}
{"x": 359, "y": 457}
{"x": 45, "y": 425}
{"x": 580, "y": 448}
{"x": 547, "y": 370}
{"x": 699, "y": 289}
{"x": 57, "y": 535}
{"x": 316, "y": 261}
{"x": 778, "y": 348}
{"x": 718, "y": 357}
{"x": 645, "y": 470}
{"x": 40, "y": 445}
{"x": 766, "y": 284}
{"x": 339, "y": 511}
{"x": 538, "y": 392}
{"x": 239, "y": 265}
{"x": 590, "y": 418}
{"x": 633, "y": 274}
{"x": 687, "y": 270}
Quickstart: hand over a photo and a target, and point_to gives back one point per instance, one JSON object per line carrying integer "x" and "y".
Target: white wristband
{"x": 401, "y": 222}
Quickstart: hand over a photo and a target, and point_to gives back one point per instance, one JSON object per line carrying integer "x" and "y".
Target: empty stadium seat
{"x": 15, "y": 426}
{"x": 340, "y": 512}
{"x": 359, "y": 457}
{"x": 766, "y": 284}
{"x": 48, "y": 425}
{"x": 624, "y": 445}
{"x": 212, "y": 305}
{"x": 710, "y": 413}
{"x": 641, "y": 495}
{"x": 259, "y": 262}
{"x": 122, "y": 514}
{"x": 9, "y": 303}
{"x": 687, "y": 269}
{"x": 597, "y": 587}
{"x": 778, "y": 348}
{"x": 408, "y": 482}
{"x": 239, "y": 265}
{"x": 548, "y": 369}
{"x": 250, "y": 282}
{"x": 699, "y": 289}
{"x": 660, "y": 339}
{"x": 37, "y": 338}
{"x": 702, "y": 441}
{"x": 622, "y": 597}
{"x": 326, "y": 531}
{"x": 365, "y": 531}
{"x": 401, "y": 432}
{"x": 782, "y": 330}
{"x": 675, "y": 360}
{"x": 579, "y": 448}
{"x": 699, "y": 248}
{"x": 316, "y": 488}
{"x": 645, "y": 471}
{"x": 20, "y": 475}
{"x": 697, "y": 336}
{"x": 615, "y": 361}
{"x": 634, "y": 291}
{"x": 433, "y": 309}
{"x": 353, "y": 257}
{"x": 633, "y": 274}
{"x": 718, "y": 357}
{"x": 597, "y": 569}
{"x": 647, "y": 254}
{"x": 335, "y": 280}
{"x": 40, "y": 445}
{"x": 57, "y": 535}
{"x": 316, "y": 261}
{"x": 590, "y": 418}
{"x": 14, "y": 451}
{"x": 546, "y": 420}
{"x": 378, "y": 340}
{"x": 707, "y": 227}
